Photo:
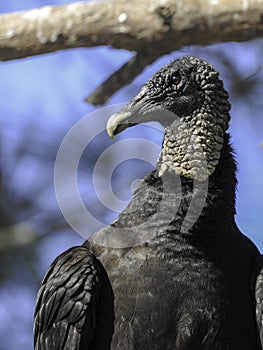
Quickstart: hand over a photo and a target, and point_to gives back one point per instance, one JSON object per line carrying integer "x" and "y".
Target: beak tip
{"x": 111, "y": 126}
{"x": 116, "y": 124}
{"x": 110, "y": 133}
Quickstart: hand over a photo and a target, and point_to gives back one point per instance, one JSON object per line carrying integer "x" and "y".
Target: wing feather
{"x": 68, "y": 301}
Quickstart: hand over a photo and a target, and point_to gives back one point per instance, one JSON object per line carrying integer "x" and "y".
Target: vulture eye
{"x": 175, "y": 78}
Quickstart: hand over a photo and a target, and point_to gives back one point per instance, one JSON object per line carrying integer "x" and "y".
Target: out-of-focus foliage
{"x": 41, "y": 99}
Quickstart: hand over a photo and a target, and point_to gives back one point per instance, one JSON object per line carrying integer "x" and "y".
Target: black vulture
{"x": 173, "y": 271}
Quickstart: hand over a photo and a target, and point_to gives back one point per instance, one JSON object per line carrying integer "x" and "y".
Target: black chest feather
{"x": 178, "y": 301}
{"x": 178, "y": 289}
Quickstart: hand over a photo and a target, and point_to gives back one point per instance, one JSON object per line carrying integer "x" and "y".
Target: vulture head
{"x": 188, "y": 98}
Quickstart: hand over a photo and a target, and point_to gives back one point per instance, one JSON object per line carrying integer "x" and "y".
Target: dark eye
{"x": 175, "y": 78}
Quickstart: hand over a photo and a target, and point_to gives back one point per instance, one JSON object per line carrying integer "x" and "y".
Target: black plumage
{"x": 173, "y": 271}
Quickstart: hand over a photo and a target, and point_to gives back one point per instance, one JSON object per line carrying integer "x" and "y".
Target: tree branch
{"x": 130, "y": 25}
{"x": 121, "y": 77}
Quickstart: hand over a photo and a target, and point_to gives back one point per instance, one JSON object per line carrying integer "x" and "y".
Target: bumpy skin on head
{"x": 189, "y": 100}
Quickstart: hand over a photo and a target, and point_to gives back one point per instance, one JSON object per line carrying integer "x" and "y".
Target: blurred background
{"x": 41, "y": 99}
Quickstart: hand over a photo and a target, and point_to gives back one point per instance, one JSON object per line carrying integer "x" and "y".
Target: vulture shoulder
{"x": 74, "y": 293}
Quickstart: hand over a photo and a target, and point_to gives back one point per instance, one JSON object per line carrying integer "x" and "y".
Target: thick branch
{"x": 131, "y": 25}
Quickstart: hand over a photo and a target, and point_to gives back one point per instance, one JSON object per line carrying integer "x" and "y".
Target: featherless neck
{"x": 192, "y": 145}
